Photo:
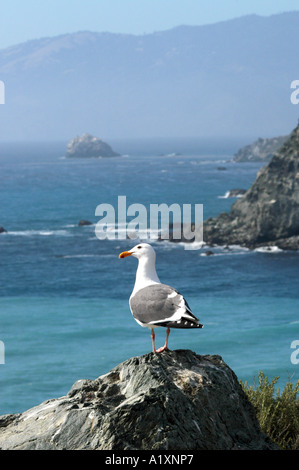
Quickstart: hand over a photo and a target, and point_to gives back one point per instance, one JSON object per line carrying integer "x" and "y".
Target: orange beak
{"x": 124, "y": 254}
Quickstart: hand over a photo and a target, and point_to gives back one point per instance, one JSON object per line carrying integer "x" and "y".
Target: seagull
{"x": 154, "y": 304}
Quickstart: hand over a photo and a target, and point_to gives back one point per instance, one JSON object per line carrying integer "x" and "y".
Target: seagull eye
{"x": 138, "y": 247}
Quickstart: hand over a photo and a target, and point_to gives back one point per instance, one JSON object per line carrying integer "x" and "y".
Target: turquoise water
{"x": 64, "y": 293}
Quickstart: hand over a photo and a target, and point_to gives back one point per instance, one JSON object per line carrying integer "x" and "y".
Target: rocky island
{"x": 268, "y": 213}
{"x": 176, "y": 400}
{"x": 260, "y": 150}
{"x": 88, "y": 146}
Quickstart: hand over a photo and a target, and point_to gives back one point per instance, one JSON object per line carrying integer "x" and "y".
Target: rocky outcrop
{"x": 84, "y": 222}
{"x": 260, "y": 150}
{"x": 176, "y": 400}
{"x": 88, "y": 146}
{"x": 2, "y": 230}
{"x": 268, "y": 212}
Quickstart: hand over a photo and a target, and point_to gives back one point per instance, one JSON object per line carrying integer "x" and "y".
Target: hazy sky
{"x": 21, "y": 20}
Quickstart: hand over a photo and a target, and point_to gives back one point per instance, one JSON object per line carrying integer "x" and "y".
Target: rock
{"x": 236, "y": 193}
{"x": 208, "y": 253}
{"x": 88, "y": 146}
{"x": 2, "y": 230}
{"x": 267, "y": 214}
{"x": 176, "y": 400}
{"x": 260, "y": 150}
{"x": 84, "y": 222}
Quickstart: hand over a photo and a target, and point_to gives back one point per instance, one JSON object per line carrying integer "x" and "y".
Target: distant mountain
{"x": 226, "y": 79}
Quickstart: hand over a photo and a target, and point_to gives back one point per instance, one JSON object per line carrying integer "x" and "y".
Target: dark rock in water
{"x": 268, "y": 213}
{"x": 2, "y": 230}
{"x": 176, "y": 400}
{"x": 88, "y": 146}
{"x": 209, "y": 253}
{"x": 260, "y": 150}
{"x": 221, "y": 168}
{"x": 84, "y": 222}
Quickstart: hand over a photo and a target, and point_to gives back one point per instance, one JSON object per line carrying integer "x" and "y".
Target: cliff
{"x": 260, "y": 150}
{"x": 176, "y": 400}
{"x": 268, "y": 212}
{"x": 88, "y": 146}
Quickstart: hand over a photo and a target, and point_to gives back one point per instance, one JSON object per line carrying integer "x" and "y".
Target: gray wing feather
{"x": 161, "y": 305}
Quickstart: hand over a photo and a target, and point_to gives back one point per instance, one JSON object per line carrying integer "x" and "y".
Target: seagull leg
{"x": 153, "y": 339}
{"x": 165, "y": 347}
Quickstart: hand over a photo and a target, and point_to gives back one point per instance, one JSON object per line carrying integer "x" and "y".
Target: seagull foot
{"x": 163, "y": 348}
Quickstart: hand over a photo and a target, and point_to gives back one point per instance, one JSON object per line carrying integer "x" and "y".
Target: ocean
{"x": 64, "y": 293}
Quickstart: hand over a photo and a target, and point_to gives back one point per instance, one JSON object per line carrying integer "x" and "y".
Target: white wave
{"x": 217, "y": 250}
{"x": 235, "y": 247}
{"x": 42, "y": 233}
{"x": 268, "y": 249}
{"x": 77, "y": 225}
{"x": 228, "y": 253}
{"x": 196, "y": 245}
{"x": 226, "y": 195}
{"x": 213, "y": 162}
{"x": 86, "y": 256}
{"x": 227, "y": 250}
{"x": 123, "y": 232}
{"x": 168, "y": 245}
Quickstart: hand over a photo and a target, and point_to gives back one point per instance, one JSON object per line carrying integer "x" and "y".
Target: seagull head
{"x": 142, "y": 250}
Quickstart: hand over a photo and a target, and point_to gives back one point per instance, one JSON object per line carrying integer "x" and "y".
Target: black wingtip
{"x": 183, "y": 324}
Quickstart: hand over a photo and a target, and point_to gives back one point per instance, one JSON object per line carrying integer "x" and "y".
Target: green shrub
{"x": 278, "y": 413}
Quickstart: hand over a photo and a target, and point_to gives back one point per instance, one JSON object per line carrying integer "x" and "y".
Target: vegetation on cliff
{"x": 277, "y": 412}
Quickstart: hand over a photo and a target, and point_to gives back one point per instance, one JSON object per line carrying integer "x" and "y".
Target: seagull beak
{"x": 125, "y": 253}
